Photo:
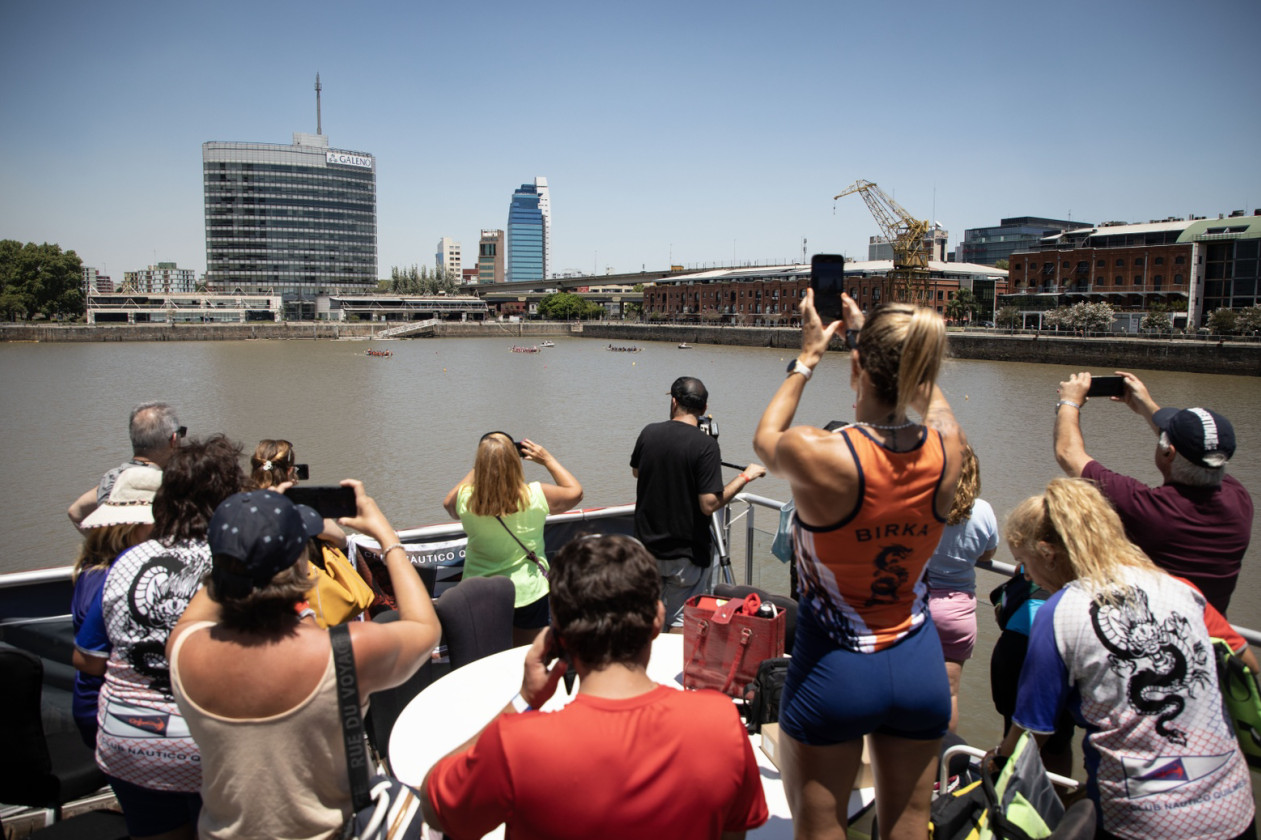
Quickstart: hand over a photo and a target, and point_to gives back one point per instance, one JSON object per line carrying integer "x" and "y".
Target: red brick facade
{"x": 1105, "y": 273}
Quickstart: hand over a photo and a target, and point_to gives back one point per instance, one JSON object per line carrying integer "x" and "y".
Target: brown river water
{"x": 408, "y": 426}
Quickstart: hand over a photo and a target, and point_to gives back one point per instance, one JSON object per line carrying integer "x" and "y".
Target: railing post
{"x": 748, "y": 545}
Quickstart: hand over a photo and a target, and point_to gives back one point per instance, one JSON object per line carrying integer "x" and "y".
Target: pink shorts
{"x": 954, "y": 613}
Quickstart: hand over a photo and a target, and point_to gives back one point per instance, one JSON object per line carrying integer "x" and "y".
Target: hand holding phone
{"x": 827, "y": 280}
{"x": 538, "y": 683}
{"x": 1106, "y": 386}
{"x": 329, "y": 502}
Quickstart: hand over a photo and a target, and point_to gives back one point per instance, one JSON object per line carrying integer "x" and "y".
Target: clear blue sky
{"x": 693, "y": 129}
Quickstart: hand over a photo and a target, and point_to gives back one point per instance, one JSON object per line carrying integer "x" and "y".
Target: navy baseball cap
{"x": 264, "y": 532}
{"x": 690, "y": 392}
{"x": 1196, "y": 433}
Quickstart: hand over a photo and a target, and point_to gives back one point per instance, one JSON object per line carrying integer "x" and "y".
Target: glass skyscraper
{"x": 525, "y": 235}
{"x": 299, "y": 219}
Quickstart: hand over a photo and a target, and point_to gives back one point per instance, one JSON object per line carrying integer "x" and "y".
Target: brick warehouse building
{"x": 1192, "y": 265}
{"x": 771, "y": 295}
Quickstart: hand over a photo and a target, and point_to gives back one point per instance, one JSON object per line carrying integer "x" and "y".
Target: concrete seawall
{"x": 1236, "y": 358}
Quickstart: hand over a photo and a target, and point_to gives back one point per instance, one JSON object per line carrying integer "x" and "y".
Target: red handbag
{"x": 724, "y": 642}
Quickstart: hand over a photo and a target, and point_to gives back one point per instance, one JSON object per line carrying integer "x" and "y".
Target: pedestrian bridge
{"x": 412, "y": 329}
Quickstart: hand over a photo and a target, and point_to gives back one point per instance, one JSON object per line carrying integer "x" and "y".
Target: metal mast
{"x": 319, "y": 128}
{"x": 908, "y": 280}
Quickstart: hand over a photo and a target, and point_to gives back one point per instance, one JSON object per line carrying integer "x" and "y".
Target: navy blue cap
{"x": 264, "y": 532}
{"x": 1197, "y": 432}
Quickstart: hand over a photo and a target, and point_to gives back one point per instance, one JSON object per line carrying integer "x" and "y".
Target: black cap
{"x": 690, "y": 393}
{"x": 264, "y": 532}
{"x": 1197, "y": 432}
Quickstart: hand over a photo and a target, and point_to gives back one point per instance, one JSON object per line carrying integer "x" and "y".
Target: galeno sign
{"x": 344, "y": 159}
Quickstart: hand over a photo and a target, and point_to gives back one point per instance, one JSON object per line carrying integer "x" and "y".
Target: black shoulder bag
{"x": 385, "y": 808}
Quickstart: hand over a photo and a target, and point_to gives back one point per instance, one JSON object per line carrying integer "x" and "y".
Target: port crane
{"x": 908, "y": 280}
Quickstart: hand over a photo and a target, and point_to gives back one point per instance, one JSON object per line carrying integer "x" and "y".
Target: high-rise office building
{"x": 988, "y": 245}
{"x": 545, "y": 207}
{"x": 525, "y": 235}
{"x": 299, "y": 219}
{"x": 448, "y": 257}
{"x": 165, "y": 277}
{"x": 490, "y": 257}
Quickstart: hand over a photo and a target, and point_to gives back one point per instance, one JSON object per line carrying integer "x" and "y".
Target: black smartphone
{"x": 520, "y": 447}
{"x": 302, "y": 472}
{"x": 329, "y": 502}
{"x": 554, "y": 652}
{"x": 827, "y": 278}
{"x": 1106, "y": 386}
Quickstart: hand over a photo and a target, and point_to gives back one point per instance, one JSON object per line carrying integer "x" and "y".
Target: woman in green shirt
{"x": 504, "y": 517}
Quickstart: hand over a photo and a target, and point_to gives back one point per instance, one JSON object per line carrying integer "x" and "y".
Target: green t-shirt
{"x": 492, "y": 551}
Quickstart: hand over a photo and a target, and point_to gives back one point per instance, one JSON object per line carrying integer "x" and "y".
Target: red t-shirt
{"x": 665, "y": 764}
{"x": 1199, "y": 533}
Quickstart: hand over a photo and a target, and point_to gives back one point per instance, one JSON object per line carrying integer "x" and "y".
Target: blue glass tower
{"x": 525, "y": 235}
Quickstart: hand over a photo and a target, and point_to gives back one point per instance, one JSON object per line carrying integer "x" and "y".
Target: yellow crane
{"x": 908, "y": 280}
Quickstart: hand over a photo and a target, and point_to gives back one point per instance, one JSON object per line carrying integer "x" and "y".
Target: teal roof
{"x": 1240, "y": 227}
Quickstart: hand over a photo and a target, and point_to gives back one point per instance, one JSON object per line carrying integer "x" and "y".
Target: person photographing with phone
{"x": 504, "y": 518}
{"x": 627, "y": 758}
{"x": 1198, "y": 523}
{"x": 872, "y": 501}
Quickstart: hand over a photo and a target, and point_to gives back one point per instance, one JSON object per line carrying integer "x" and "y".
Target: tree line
{"x": 39, "y": 280}
{"x": 418, "y": 280}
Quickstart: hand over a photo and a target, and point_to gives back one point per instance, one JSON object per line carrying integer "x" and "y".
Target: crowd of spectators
{"x": 205, "y": 678}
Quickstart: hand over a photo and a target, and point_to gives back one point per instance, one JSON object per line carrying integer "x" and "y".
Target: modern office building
{"x": 988, "y": 245}
{"x": 545, "y": 207}
{"x": 526, "y": 233}
{"x": 163, "y": 278}
{"x": 96, "y": 283}
{"x": 448, "y": 257}
{"x": 879, "y": 248}
{"x": 299, "y": 219}
{"x": 490, "y": 257}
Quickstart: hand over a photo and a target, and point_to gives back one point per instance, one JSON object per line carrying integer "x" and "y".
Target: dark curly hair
{"x": 604, "y": 596}
{"x": 264, "y": 610}
{"x": 199, "y": 476}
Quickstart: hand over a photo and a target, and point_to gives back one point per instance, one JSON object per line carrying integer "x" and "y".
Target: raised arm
{"x": 566, "y": 493}
{"x": 387, "y": 654}
{"x": 1070, "y": 446}
{"x": 815, "y": 337}
{"x": 1138, "y": 399}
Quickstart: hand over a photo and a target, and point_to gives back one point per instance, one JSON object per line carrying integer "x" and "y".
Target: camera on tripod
{"x": 707, "y": 424}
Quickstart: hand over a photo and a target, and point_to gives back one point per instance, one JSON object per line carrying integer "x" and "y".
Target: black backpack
{"x": 763, "y": 695}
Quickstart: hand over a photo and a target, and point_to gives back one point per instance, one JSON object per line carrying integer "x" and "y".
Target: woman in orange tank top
{"x": 871, "y": 504}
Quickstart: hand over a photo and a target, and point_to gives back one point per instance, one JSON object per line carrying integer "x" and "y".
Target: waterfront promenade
{"x": 1232, "y": 355}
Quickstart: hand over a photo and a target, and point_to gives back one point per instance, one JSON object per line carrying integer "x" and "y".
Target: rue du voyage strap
{"x": 352, "y": 720}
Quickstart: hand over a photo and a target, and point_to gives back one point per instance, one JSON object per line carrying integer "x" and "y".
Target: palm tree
{"x": 954, "y": 308}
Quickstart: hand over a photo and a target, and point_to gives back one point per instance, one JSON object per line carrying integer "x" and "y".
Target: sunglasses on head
{"x": 516, "y": 443}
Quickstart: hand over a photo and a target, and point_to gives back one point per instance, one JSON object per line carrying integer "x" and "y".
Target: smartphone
{"x": 827, "y": 279}
{"x": 329, "y": 502}
{"x": 302, "y": 472}
{"x": 1106, "y": 386}
{"x": 554, "y": 652}
{"x": 520, "y": 447}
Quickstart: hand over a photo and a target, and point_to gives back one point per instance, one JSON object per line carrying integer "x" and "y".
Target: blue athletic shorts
{"x": 833, "y": 695}
{"x": 149, "y": 811}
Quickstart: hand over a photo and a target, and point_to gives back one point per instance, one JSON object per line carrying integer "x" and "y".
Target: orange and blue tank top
{"x": 862, "y": 579}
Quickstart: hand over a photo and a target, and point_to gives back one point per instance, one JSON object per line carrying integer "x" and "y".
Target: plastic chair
{"x": 38, "y": 770}
{"x": 476, "y": 618}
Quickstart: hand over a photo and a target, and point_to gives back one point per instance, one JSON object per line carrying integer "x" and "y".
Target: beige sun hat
{"x": 131, "y": 500}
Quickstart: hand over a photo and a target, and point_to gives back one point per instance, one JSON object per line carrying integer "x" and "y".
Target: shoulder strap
{"x": 534, "y": 558}
{"x": 352, "y": 721}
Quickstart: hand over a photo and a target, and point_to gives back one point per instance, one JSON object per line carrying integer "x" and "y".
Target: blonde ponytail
{"x": 901, "y": 348}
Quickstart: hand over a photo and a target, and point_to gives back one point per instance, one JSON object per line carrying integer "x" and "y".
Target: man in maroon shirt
{"x": 1196, "y": 525}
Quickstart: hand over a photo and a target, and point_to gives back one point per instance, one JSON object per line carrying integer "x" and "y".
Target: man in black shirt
{"x": 679, "y": 472}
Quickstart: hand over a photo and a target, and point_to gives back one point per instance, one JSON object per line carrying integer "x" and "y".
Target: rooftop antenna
{"x": 319, "y": 127}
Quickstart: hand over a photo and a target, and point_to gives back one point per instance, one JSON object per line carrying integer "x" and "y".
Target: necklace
{"x": 908, "y": 424}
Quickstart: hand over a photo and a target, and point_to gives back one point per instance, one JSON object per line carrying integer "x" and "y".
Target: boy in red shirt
{"x": 628, "y": 758}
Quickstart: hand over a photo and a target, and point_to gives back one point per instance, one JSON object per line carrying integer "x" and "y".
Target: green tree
{"x": 566, "y": 306}
{"x": 1007, "y": 316}
{"x": 1003, "y": 264}
{"x": 406, "y": 281}
{"x": 1248, "y": 320}
{"x": 954, "y": 309}
{"x": 1223, "y": 321}
{"x": 39, "y": 279}
{"x": 634, "y": 309}
{"x": 1057, "y": 317}
{"x": 1157, "y": 318}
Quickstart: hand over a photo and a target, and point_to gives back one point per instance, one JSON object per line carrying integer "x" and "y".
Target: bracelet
{"x": 1066, "y": 402}
{"x": 521, "y": 704}
{"x": 391, "y": 548}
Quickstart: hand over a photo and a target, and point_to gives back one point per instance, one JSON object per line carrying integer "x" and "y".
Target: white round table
{"x": 456, "y": 707}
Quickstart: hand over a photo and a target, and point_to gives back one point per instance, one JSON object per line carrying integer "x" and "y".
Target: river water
{"x": 408, "y": 426}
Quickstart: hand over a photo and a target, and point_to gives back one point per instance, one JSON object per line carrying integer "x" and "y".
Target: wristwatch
{"x": 795, "y": 366}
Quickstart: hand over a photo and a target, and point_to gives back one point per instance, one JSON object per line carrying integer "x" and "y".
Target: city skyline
{"x": 691, "y": 135}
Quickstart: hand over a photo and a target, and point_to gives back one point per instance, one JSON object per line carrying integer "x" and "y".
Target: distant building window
{"x": 1099, "y": 264}
{"x": 939, "y": 296}
{"x": 1177, "y": 279}
{"x": 1065, "y": 263}
{"x": 1138, "y": 261}
{"x": 1016, "y": 267}
{"x": 1160, "y": 261}
{"x": 1120, "y": 263}
{"x": 1158, "y": 279}
{"x": 1138, "y": 279}
{"x": 1179, "y": 260}
{"x": 1118, "y": 281}
{"x": 1101, "y": 280}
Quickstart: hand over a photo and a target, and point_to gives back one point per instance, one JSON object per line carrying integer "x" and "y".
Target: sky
{"x": 690, "y": 133}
